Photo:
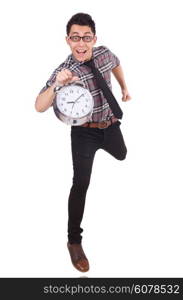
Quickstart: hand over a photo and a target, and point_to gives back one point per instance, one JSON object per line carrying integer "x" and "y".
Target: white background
{"x": 133, "y": 215}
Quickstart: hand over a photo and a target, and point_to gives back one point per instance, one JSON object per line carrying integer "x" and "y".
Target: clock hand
{"x": 79, "y": 97}
{"x": 70, "y": 102}
{"x": 72, "y": 107}
{"x": 76, "y": 101}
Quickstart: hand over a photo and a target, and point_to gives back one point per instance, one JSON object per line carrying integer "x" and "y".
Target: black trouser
{"x": 84, "y": 143}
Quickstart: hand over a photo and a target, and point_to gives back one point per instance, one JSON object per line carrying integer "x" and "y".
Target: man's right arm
{"x": 45, "y": 99}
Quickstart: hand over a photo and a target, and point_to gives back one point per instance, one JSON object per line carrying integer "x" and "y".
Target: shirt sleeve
{"x": 110, "y": 57}
{"x": 114, "y": 59}
{"x": 52, "y": 78}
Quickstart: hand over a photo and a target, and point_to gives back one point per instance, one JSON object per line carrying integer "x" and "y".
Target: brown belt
{"x": 101, "y": 125}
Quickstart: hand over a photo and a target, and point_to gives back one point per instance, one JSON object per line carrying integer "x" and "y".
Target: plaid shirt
{"x": 105, "y": 61}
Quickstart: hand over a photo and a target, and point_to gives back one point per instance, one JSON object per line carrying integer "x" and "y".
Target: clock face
{"x": 74, "y": 101}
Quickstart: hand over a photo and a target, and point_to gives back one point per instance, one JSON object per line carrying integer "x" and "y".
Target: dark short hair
{"x": 81, "y": 19}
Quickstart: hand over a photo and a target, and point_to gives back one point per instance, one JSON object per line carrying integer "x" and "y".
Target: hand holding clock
{"x": 64, "y": 77}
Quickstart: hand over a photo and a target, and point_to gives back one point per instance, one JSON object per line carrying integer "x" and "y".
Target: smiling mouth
{"x": 81, "y": 52}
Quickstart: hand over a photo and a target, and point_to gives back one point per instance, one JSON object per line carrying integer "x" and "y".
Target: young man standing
{"x": 103, "y": 129}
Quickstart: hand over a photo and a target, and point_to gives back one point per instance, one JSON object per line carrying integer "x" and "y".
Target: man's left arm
{"x": 119, "y": 75}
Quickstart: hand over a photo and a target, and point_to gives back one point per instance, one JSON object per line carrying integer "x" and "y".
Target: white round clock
{"x": 73, "y": 104}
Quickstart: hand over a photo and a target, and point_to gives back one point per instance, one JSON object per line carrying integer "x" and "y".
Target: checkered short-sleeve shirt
{"x": 105, "y": 61}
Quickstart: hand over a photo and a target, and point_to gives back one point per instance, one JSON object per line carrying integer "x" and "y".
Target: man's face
{"x": 81, "y": 49}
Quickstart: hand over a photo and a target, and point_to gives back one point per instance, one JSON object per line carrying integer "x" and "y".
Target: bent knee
{"x": 122, "y": 155}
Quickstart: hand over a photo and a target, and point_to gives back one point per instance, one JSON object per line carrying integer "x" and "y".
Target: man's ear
{"x": 67, "y": 39}
{"x": 95, "y": 40}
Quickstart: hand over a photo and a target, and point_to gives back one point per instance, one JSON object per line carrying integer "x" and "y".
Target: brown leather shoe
{"x": 78, "y": 257}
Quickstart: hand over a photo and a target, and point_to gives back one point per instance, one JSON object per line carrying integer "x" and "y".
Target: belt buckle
{"x": 102, "y": 125}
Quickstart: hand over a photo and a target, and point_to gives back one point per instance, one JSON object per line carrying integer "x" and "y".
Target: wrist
{"x": 124, "y": 87}
{"x": 53, "y": 87}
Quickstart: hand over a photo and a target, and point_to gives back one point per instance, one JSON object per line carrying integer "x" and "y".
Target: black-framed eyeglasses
{"x": 85, "y": 38}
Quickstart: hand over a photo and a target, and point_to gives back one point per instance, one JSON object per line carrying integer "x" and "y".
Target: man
{"x": 101, "y": 132}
